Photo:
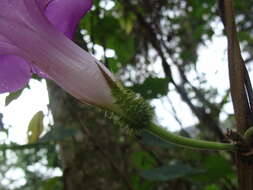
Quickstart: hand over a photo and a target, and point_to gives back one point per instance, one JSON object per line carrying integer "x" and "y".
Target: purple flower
{"x": 32, "y": 40}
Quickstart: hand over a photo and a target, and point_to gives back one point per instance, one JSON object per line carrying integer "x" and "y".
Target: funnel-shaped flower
{"x": 32, "y": 41}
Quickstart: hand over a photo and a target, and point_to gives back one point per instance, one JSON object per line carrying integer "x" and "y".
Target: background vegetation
{"x": 91, "y": 151}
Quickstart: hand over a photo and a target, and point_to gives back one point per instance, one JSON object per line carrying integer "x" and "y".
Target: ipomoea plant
{"x": 34, "y": 38}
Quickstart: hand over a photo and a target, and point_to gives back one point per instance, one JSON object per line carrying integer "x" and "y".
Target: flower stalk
{"x": 188, "y": 142}
{"x": 138, "y": 114}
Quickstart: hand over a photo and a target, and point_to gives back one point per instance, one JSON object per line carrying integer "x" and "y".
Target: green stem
{"x": 137, "y": 113}
{"x": 188, "y": 142}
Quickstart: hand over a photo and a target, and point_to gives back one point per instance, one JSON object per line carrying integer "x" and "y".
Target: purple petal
{"x": 38, "y": 42}
{"x": 66, "y": 14}
{"x": 53, "y": 53}
{"x": 16, "y": 73}
{"x": 43, "y": 4}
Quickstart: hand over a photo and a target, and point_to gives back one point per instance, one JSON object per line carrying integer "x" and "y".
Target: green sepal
{"x": 133, "y": 111}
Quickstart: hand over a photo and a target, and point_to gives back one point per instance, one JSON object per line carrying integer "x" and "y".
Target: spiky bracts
{"x": 133, "y": 111}
{"x": 136, "y": 112}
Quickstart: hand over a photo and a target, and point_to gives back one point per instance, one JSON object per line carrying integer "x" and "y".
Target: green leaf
{"x": 138, "y": 183}
{"x": 123, "y": 46}
{"x": 127, "y": 22}
{"x": 152, "y": 88}
{"x": 216, "y": 167}
{"x": 142, "y": 160}
{"x": 35, "y": 127}
{"x": 171, "y": 172}
{"x": 52, "y": 183}
{"x": 212, "y": 187}
{"x": 149, "y": 139}
{"x": 113, "y": 65}
{"x": 12, "y": 96}
{"x": 118, "y": 40}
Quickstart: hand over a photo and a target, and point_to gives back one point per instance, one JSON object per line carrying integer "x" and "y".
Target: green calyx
{"x": 133, "y": 111}
{"x": 136, "y": 112}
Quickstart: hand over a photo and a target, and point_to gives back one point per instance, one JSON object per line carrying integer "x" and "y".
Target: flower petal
{"x": 43, "y": 4}
{"x": 16, "y": 73}
{"x": 49, "y": 50}
{"x": 66, "y": 14}
{"x": 71, "y": 67}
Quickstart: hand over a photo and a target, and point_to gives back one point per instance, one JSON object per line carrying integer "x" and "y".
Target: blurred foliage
{"x": 152, "y": 88}
{"x": 12, "y": 96}
{"x": 35, "y": 127}
{"x": 91, "y": 152}
{"x": 171, "y": 172}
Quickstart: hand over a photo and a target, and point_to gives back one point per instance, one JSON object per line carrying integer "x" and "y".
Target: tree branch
{"x": 241, "y": 91}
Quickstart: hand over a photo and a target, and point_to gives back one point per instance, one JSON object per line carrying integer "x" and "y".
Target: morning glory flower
{"x": 35, "y": 37}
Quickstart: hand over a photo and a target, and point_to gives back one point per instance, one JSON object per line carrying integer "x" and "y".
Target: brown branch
{"x": 241, "y": 91}
{"x": 237, "y": 71}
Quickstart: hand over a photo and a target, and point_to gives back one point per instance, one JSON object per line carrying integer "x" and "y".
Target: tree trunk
{"x": 245, "y": 172}
{"x": 241, "y": 92}
{"x": 92, "y": 158}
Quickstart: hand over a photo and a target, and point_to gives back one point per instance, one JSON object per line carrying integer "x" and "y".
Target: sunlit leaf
{"x": 35, "y": 127}
{"x": 12, "y": 96}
